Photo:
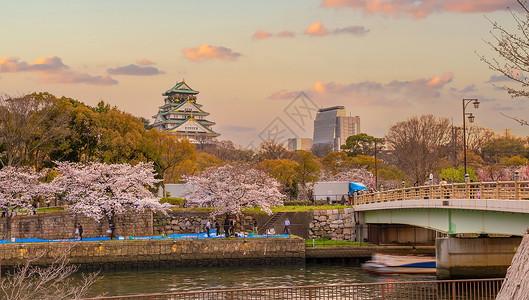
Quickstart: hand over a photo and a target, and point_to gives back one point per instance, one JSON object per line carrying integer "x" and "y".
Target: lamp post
{"x": 471, "y": 118}
{"x": 376, "y": 168}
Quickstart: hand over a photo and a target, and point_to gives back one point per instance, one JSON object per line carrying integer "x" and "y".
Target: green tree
{"x": 308, "y": 171}
{"x": 121, "y": 137}
{"x": 516, "y": 160}
{"x": 81, "y": 144}
{"x": 506, "y": 145}
{"x": 359, "y": 144}
{"x": 284, "y": 171}
{"x": 336, "y": 162}
{"x": 457, "y": 175}
{"x": 206, "y": 160}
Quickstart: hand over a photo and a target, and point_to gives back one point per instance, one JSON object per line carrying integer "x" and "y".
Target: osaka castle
{"x": 182, "y": 114}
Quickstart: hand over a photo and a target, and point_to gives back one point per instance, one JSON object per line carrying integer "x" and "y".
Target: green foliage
{"x": 360, "y": 144}
{"x": 514, "y": 161}
{"x": 505, "y": 146}
{"x": 336, "y": 162}
{"x": 172, "y": 200}
{"x": 453, "y": 175}
{"x": 384, "y": 170}
{"x": 294, "y": 203}
{"x": 283, "y": 170}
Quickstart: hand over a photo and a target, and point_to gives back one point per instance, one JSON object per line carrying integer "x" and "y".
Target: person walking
{"x": 226, "y": 227}
{"x": 208, "y": 227}
{"x": 80, "y": 231}
{"x": 112, "y": 229}
{"x": 287, "y": 226}
{"x": 255, "y": 226}
{"x": 217, "y": 228}
{"x": 232, "y": 227}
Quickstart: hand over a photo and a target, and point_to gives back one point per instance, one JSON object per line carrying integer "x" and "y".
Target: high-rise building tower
{"x": 332, "y": 126}
{"x": 182, "y": 114}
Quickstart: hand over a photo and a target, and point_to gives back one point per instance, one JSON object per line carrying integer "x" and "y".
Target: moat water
{"x": 130, "y": 282}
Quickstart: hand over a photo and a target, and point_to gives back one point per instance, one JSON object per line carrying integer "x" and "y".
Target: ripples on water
{"x": 213, "y": 278}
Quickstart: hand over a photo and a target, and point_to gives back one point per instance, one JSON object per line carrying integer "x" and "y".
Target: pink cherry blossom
{"x": 99, "y": 190}
{"x": 232, "y": 187}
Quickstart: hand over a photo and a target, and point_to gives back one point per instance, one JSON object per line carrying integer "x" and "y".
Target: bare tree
{"x": 227, "y": 151}
{"x": 272, "y": 149}
{"x": 512, "y": 49}
{"x": 320, "y": 150}
{"x": 30, "y": 127}
{"x": 477, "y": 137}
{"x": 419, "y": 144}
{"x": 28, "y": 282}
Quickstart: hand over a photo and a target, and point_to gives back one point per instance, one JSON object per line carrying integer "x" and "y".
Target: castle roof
{"x": 180, "y": 88}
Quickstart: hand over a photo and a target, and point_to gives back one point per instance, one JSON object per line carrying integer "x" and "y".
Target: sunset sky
{"x": 384, "y": 60}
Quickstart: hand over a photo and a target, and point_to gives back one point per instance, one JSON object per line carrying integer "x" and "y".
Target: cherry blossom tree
{"x": 18, "y": 189}
{"x": 99, "y": 190}
{"x": 231, "y": 187}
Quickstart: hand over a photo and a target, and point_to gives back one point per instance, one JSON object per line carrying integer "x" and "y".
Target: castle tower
{"x": 182, "y": 114}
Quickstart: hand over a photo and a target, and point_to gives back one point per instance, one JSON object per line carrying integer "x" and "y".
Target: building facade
{"x": 299, "y": 144}
{"x": 332, "y": 126}
{"x": 183, "y": 115}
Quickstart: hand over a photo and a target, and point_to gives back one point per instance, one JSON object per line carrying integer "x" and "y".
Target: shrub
{"x": 172, "y": 201}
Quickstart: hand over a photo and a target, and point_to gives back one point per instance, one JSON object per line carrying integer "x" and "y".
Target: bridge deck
{"x": 484, "y": 207}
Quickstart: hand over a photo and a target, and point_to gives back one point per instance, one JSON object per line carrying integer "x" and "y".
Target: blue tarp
{"x": 53, "y": 241}
{"x": 356, "y": 186}
{"x": 187, "y": 236}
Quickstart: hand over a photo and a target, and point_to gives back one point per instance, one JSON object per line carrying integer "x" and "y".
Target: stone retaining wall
{"x": 335, "y": 224}
{"x": 61, "y": 225}
{"x": 160, "y": 253}
{"x": 182, "y": 222}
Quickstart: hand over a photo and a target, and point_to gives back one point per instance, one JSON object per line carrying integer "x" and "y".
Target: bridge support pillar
{"x": 474, "y": 257}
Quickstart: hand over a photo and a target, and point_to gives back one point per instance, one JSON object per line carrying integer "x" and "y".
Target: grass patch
{"x": 257, "y": 210}
{"x": 306, "y": 208}
{"x": 331, "y": 243}
{"x": 49, "y": 209}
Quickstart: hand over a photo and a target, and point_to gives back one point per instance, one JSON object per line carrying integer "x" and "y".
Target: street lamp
{"x": 471, "y": 118}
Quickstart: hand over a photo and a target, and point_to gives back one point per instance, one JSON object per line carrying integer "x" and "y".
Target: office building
{"x": 299, "y": 144}
{"x": 332, "y": 126}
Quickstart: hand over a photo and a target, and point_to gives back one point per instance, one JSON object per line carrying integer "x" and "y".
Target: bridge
{"x": 497, "y": 209}
{"x": 459, "y": 208}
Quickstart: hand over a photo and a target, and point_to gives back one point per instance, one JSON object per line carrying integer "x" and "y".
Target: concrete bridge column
{"x": 474, "y": 257}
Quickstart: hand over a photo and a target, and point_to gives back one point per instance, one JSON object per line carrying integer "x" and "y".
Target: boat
{"x": 400, "y": 264}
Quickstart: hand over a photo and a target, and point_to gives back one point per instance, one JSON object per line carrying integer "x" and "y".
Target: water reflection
{"x": 212, "y": 278}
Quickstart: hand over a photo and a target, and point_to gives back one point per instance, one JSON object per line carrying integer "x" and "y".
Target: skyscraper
{"x": 332, "y": 126}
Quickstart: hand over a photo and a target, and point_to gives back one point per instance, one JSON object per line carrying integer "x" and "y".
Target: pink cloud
{"x": 394, "y": 93}
{"x": 418, "y": 9}
{"x": 316, "y": 29}
{"x": 145, "y": 62}
{"x": 206, "y": 52}
{"x": 284, "y": 94}
{"x": 286, "y": 33}
{"x": 261, "y": 35}
{"x": 53, "y": 70}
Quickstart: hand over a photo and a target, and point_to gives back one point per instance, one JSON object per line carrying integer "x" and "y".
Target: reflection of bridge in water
{"x": 477, "y": 207}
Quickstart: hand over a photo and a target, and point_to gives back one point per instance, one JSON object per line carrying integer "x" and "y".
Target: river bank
{"x": 143, "y": 254}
